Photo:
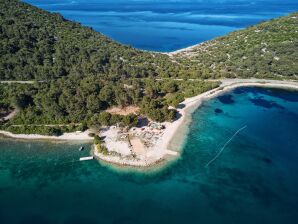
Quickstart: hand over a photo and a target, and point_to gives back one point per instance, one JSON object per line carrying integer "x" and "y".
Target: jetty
{"x": 86, "y": 158}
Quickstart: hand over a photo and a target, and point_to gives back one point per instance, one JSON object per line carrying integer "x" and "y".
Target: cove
{"x": 254, "y": 180}
{"x": 167, "y": 25}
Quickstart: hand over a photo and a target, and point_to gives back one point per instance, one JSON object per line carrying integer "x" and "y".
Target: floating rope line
{"x": 221, "y": 150}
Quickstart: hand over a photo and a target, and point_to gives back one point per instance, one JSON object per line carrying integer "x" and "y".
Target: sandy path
{"x": 123, "y": 111}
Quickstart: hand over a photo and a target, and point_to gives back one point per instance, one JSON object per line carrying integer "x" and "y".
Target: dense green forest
{"x": 79, "y": 73}
{"x": 267, "y": 50}
{"x": 77, "y": 104}
{"x": 36, "y": 44}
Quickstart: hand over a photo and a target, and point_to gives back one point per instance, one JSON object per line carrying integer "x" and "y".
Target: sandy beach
{"x": 170, "y": 141}
{"x": 73, "y": 136}
{"x": 174, "y": 140}
{"x": 187, "y": 49}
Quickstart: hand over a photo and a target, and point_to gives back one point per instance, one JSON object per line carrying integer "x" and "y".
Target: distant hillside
{"x": 269, "y": 49}
{"x": 35, "y": 44}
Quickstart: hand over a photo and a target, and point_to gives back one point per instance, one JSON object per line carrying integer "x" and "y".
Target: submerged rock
{"x": 218, "y": 111}
{"x": 226, "y": 99}
{"x": 267, "y": 160}
{"x": 265, "y": 103}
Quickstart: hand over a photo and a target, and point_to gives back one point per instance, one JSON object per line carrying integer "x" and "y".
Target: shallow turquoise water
{"x": 254, "y": 180}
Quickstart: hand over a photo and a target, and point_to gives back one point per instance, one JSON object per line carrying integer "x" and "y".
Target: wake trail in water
{"x": 221, "y": 150}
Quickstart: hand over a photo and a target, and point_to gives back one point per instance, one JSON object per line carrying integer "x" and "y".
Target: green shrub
{"x": 102, "y": 149}
{"x": 97, "y": 140}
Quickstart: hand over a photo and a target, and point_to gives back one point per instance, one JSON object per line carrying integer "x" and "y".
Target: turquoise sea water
{"x": 167, "y": 25}
{"x": 254, "y": 180}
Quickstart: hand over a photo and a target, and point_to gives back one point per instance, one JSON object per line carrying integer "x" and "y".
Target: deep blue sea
{"x": 167, "y": 25}
{"x": 253, "y": 180}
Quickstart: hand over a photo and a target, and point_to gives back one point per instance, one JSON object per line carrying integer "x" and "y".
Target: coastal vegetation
{"x": 78, "y": 74}
{"x": 98, "y": 143}
{"x": 43, "y": 130}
